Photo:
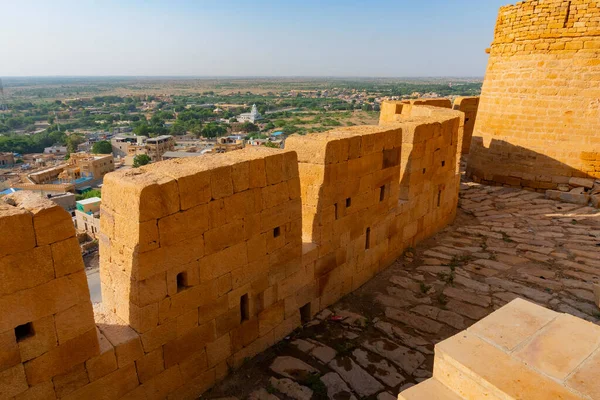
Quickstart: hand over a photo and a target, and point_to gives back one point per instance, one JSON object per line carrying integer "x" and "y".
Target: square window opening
{"x": 182, "y": 281}
{"x": 245, "y": 308}
{"x": 305, "y": 314}
{"x": 277, "y": 232}
{"x": 382, "y": 193}
{"x": 335, "y": 207}
{"x": 424, "y": 170}
{"x": 443, "y": 163}
{"x": 348, "y": 202}
{"x": 24, "y": 331}
{"x": 368, "y": 239}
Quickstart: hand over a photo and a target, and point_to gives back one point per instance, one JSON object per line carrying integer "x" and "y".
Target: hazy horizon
{"x": 247, "y": 39}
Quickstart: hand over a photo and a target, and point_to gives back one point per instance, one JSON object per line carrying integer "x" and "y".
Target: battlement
{"x": 547, "y": 19}
{"x": 205, "y": 262}
{"x": 538, "y": 119}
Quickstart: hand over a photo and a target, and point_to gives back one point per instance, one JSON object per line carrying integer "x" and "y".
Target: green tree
{"x": 102, "y": 147}
{"x": 272, "y": 145}
{"x": 212, "y": 130}
{"x": 141, "y": 159}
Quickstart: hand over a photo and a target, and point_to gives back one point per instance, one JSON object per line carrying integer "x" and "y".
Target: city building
{"x": 252, "y": 116}
{"x": 7, "y": 160}
{"x": 56, "y": 150}
{"x": 87, "y": 215}
{"x": 156, "y": 147}
{"x": 121, "y": 144}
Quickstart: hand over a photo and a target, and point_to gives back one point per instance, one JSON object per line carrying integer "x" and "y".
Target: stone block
{"x": 194, "y": 365}
{"x": 43, "y": 391}
{"x": 222, "y": 262}
{"x": 218, "y": 350}
{"x": 195, "y": 340}
{"x": 269, "y": 318}
{"x": 70, "y": 381}
{"x": 44, "y": 300}
{"x": 584, "y": 378}
{"x": 513, "y": 324}
{"x": 120, "y": 335}
{"x": 112, "y": 386}
{"x": 163, "y": 384}
{"x": 12, "y": 381}
{"x": 62, "y": 358}
{"x": 150, "y": 365}
{"x": 9, "y": 350}
{"x": 192, "y": 389}
{"x": 183, "y": 225}
{"x": 150, "y": 290}
{"x": 221, "y": 182}
{"x": 162, "y": 334}
{"x": 547, "y": 352}
{"x": 66, "y": 256}
{"x": 74, "y": 322}
{"x": 240, "y": 175}
{"x": 244, "y": 334}
{"x": 597, "y": 294}
{"x": 105, "y": 362}
{"x": 25, "y": 270}
{"x": 274, "y": 168}
{"x": 220, "y": 238}
{"x": 43, "y": 340}
{"x": 19, "y": 222}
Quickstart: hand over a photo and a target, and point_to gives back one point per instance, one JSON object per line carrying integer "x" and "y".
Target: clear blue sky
{"x": 390, "y": 38}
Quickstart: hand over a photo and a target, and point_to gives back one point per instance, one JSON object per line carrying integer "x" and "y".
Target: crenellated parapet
{"x": 205, "y": 262}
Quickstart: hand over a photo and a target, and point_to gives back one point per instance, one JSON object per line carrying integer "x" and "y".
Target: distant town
{"x": 61, "y": 146}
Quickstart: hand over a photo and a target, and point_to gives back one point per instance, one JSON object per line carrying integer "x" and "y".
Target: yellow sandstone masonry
{"x": 208, "y": 261}
{"x": 517, "y": 352}
{"x": 538, "y": 122}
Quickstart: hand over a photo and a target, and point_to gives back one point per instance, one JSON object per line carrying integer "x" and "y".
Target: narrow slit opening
{"x": 245, "y": 308}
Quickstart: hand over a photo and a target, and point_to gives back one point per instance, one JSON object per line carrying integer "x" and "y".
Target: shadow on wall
{"x": 527, "y": 168}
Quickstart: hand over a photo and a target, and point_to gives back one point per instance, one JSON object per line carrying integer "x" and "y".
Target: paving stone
{"x": 472, "y": 284}
{"x": 303, "y": 345}
{"x": 322, "y": 352}
{"x": 359, "y": 379}
{"x": 479, "y": 270}
{"x": 262, "y": 394}
{"x": 405, "y": 358}
{"x": 378, "y": 367}
{"x": 394, "y": 332}
{"x": 385, "y": 396}
{"x": 468, "y": 310}
{"x": 291, "y": 388}
{"x": 405, "y": 295}
{"x": 447, "y": 317}
{"x": 469, "y": 297}
{"x": 519, "y": 289}
{"x": 291, "y": 367}
{"x": 406, "y": 283}
{"x": 419, "y": 323}
{"x": 336, "y": 387}
{"x": 493, "y": 265}
{"x": 390, "y": 301}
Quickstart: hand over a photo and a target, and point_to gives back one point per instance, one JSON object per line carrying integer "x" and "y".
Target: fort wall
{"x": 539, "y": 114}
{"x": 207, "y": 262}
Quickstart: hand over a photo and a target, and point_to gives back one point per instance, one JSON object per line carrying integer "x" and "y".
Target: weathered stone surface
{"x": 291, "y": 367}
{"x": 378, "y": 367}
{"x": 407, "y": 359}
{"x": 291, "y": 388}
{"x": 336, "y": 387}
{"x": 360, "y": 380}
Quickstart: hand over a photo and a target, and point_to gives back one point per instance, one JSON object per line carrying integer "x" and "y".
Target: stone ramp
{"x": 520, "y": 351}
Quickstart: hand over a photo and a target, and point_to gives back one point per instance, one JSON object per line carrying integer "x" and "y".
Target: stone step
{"x": 476, "y": 369}
{"x": 431, "y": 389}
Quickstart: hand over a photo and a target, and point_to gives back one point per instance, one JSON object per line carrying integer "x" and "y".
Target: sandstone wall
{"x": 469, "y": 106}
{"x": 47, "y": 329}
{"x": 539, "y": 114}
{"x": 207, "y": 262}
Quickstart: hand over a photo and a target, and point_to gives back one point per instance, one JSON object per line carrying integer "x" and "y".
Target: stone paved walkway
{"x": 505, "y": 243}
